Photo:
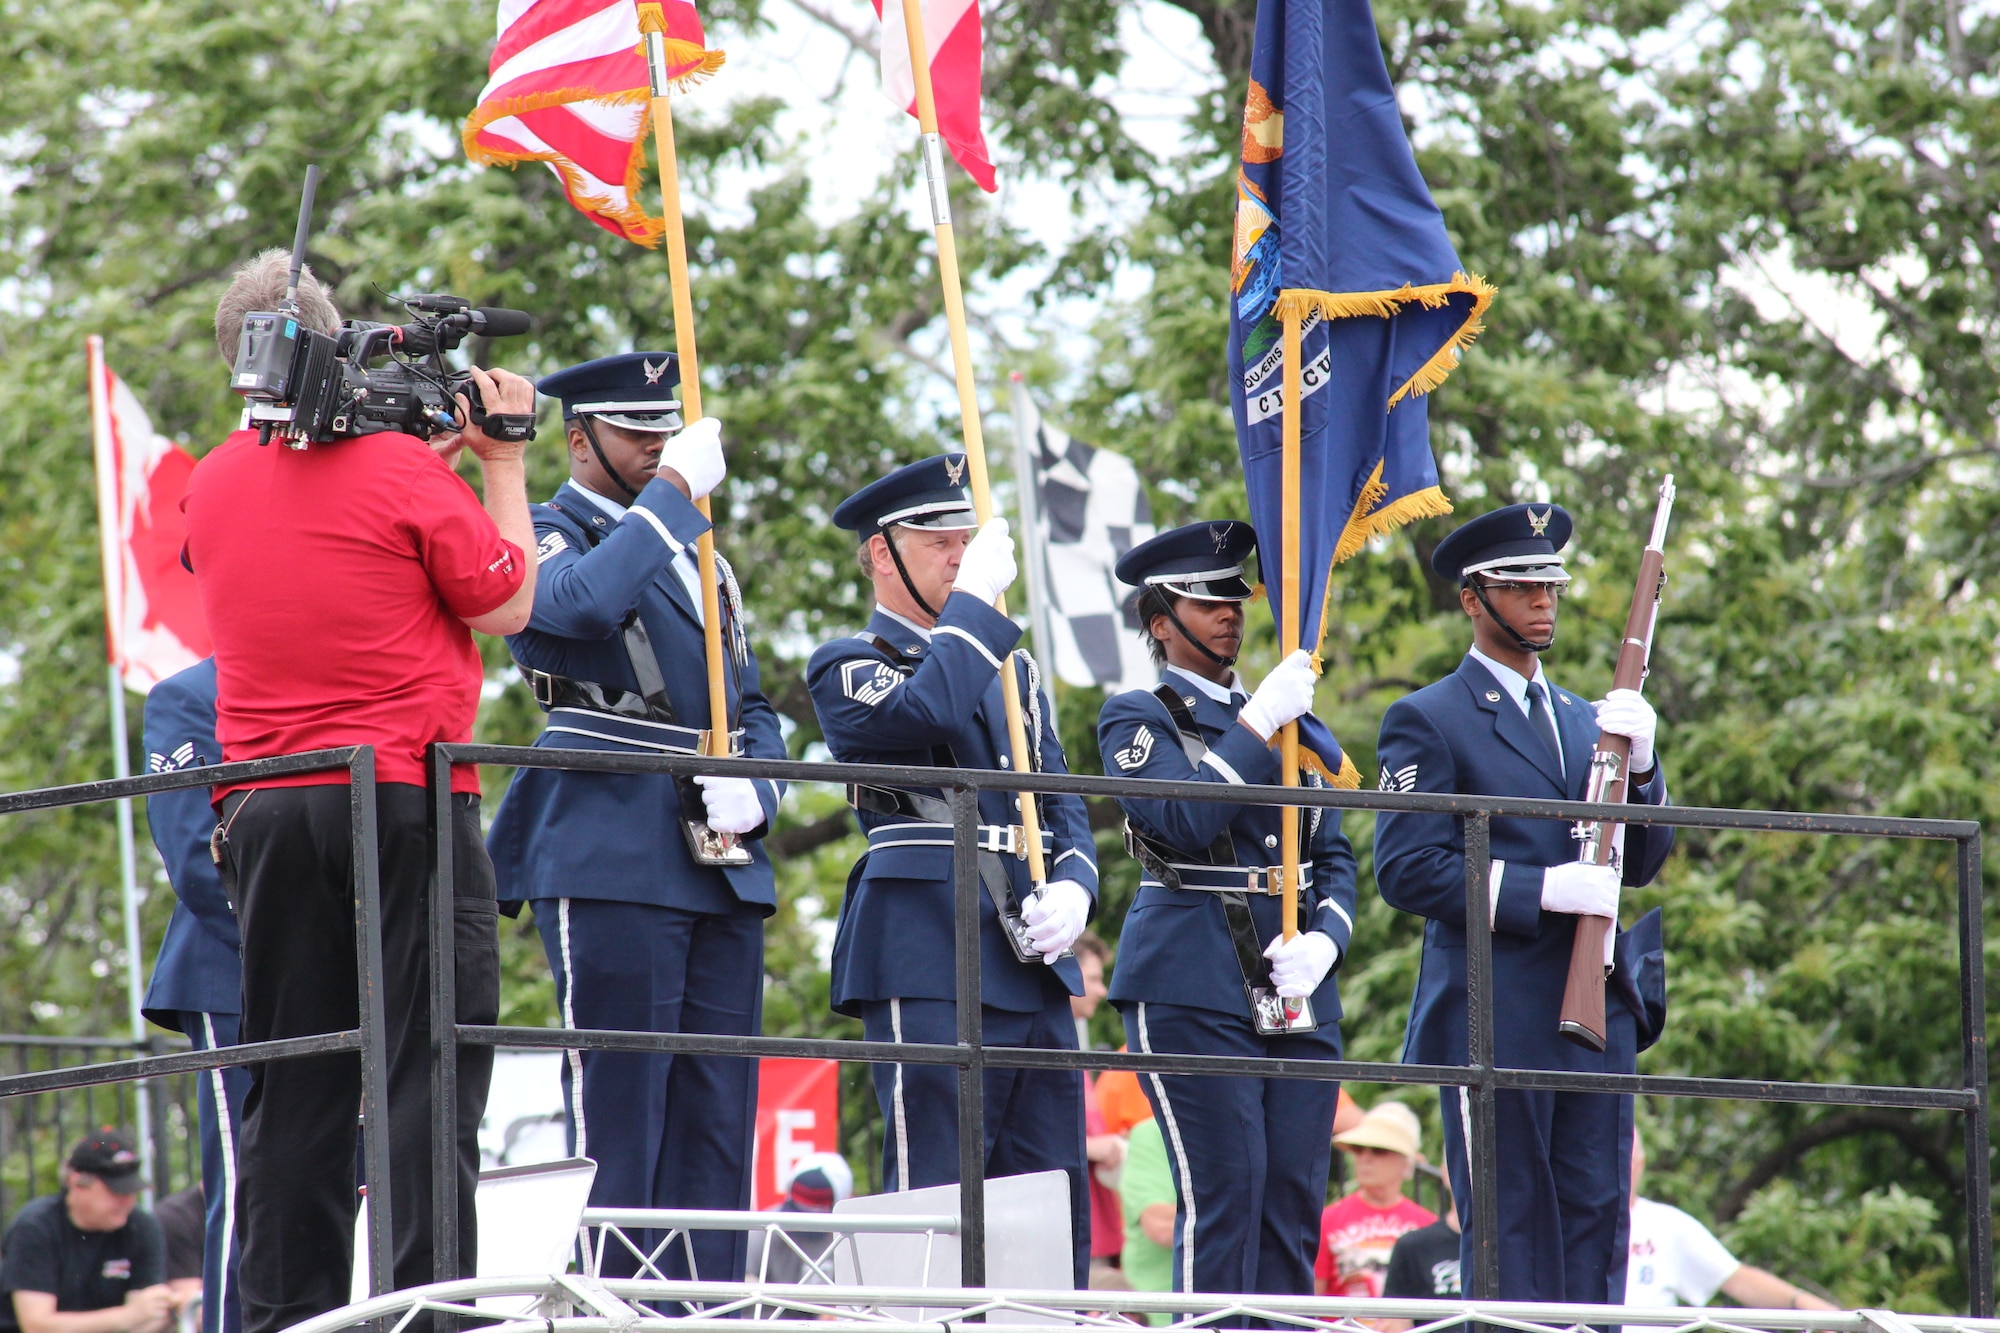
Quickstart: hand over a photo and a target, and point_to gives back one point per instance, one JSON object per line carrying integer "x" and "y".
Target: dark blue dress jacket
{"x": 1175, "y": 946}
{"x": 200, "y": 967}
{"x": 894, "y": 939}
{"x": 617, "y": 836}
{"x": 1464, "y": 735}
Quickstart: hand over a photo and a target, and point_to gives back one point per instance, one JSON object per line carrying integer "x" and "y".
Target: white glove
{"x": 1626, "y": 713}
{"x": 1581, "y": 889}
{"x": 1055, "y": 916}
{"x": 1285, "y": 696}
{"x": 696, "y": 453}
{"x": 987, "y": 568}
{"x": 732, "y": 804}
{"x": 1300, "y": 963}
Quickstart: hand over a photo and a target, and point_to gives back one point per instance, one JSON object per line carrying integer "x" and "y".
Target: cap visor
{"x": 1232, "y": 589}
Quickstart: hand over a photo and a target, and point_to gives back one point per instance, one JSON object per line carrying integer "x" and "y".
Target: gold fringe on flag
{"x": 1367, "y": 521}
{"x": 1349, "y": 777}
{"x": 1386, "y": 305}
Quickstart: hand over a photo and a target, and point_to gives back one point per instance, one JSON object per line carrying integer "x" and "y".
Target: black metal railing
{"x": 37, "y": 1131}
{"x": 368, "y": 1038}
{"x": 969, "y": 1054}
{"x": 1480, "y": 1075}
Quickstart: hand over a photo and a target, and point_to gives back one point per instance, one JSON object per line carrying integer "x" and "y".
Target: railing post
{"x": 1972, "y": 1074}
{"x": 1482, "y": 1096}
{"x": 364, "y": 847}
{"x": 444, "y": 1026}
{"x": 971, "y": 1040}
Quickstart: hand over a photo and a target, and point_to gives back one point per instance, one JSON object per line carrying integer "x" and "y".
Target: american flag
{"x": 953, "y": 35}
{"x": 567, "y": 86}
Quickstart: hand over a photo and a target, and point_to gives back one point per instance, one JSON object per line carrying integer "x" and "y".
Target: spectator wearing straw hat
{"x": 1357, "y": 1234}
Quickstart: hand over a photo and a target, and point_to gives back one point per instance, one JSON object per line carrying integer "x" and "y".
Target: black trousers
{"x": 288, "y": 864}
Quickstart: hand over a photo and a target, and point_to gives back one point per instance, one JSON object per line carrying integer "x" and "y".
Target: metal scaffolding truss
{"x": 574, "y": 1303}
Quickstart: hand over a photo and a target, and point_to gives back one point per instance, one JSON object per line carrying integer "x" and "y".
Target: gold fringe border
{"x": 1349, "y": 777}
{"x": 1303, "y": 301}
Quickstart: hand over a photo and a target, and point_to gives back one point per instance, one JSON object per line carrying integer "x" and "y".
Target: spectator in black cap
{"x": 88, "y": 1260}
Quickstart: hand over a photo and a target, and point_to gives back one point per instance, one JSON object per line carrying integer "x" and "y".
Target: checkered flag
{"x": 1090, "y": 508}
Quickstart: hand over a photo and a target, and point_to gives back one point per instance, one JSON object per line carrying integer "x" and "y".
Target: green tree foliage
{"x": 1751, "y": 242}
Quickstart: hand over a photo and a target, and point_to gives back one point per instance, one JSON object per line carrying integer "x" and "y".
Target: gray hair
{"x": 260, "y": 285}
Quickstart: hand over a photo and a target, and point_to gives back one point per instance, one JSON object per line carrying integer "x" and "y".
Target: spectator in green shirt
{"x": 1146, "y": 1189}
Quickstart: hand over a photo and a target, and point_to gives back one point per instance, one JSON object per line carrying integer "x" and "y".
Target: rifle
{"x": 1582, "y": 1019}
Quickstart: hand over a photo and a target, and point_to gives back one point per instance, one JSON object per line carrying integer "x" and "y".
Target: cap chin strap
{"x": 1521, "y": 641}
{"x": 1197, "y": 644}
{"x": 908, "y": 584}
{"x": 589, "y": 433}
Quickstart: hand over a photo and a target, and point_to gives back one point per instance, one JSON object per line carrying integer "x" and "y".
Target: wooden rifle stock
{"x": 1582, "y": 1019}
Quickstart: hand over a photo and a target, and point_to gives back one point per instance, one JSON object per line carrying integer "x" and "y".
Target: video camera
{"x": 308, "y": 387}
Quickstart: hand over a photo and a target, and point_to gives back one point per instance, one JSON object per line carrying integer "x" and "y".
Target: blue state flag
{"x": 1334, "y": 221}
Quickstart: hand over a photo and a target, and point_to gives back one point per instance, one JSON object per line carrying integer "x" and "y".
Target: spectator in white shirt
{"x": 1678, "y": 1261}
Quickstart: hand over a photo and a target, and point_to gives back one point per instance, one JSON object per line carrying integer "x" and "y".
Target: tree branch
{"x": 1899, "y": 1125}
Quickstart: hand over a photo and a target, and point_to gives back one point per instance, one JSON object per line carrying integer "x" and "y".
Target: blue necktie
{"x": 1545, "y": 722}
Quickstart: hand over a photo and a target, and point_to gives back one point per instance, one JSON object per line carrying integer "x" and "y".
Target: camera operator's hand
{"x": 503, "y": 393}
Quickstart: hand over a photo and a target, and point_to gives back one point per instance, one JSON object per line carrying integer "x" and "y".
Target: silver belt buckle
{"x": 1267, "y": 880}
{"x": 1006, "y": 839}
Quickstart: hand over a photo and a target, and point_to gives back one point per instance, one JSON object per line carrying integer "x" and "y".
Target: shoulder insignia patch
{"x": 170, "y": 763}
{"x": 1134, "y": 756}
{"x": 550, "y": 544}
{"x": 868, "y": 682}
{"x": 1403, "y": 779}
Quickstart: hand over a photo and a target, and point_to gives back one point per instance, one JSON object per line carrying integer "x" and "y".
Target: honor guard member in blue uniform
{"x": 197, "y": 985}
{"x": 921, "y": 686}
{"x": 1497, "y": 727}
{"x": 1203, "y": 967}
{"x": 650, "y": 895}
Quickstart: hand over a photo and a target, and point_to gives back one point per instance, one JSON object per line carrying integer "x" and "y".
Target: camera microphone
{"x": 500, "y": 322}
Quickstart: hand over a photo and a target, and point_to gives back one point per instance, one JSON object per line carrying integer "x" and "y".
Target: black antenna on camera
{"x": 291, "y": 305}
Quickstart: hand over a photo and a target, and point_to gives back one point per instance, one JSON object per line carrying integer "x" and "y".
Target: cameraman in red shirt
{"x": 341, "y": 585}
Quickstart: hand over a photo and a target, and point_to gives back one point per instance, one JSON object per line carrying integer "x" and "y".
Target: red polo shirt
{"x": 334, "y": 581}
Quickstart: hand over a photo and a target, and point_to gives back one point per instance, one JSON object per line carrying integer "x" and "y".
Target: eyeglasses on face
{"x": 1525, "y": 589}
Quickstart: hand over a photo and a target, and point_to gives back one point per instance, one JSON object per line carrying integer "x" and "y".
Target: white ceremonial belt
{"x": 638, "y": 733}
{"x": 1267, "y": 880}
{"x": 1006, "y": 839}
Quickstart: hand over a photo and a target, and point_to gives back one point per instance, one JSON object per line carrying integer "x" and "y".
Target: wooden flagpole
{"x": 1288, "y": 749}
{"x": 653, "y": 25}
{"x": 968, "y": 399}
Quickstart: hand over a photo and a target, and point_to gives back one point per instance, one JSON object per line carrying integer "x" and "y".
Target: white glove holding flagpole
{"x": 1055, "y": 917}
{"x": 1284, "y": 696}
{"x": 696, "y": 453}
{"x": 731, "y": 803}
{"x": 1300, "y": 963}
{"x": 987, "y": 568}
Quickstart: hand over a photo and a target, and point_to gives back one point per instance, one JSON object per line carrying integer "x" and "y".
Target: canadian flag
{"x": 955, "y": 41}
{"x": 152, "y": 615}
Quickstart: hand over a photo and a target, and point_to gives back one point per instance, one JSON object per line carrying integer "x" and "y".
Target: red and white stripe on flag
{"x": 952, "y": 32}
{"x": 567, "y": 86}
{"x": 152, "y": 613}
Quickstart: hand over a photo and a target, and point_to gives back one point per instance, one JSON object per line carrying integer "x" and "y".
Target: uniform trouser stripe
{"x": 902, "y": 1117}
{"x": 1181, "y": 1167}
{"x": 225, "y": 1129}
{"x": 575, "y": 1058}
